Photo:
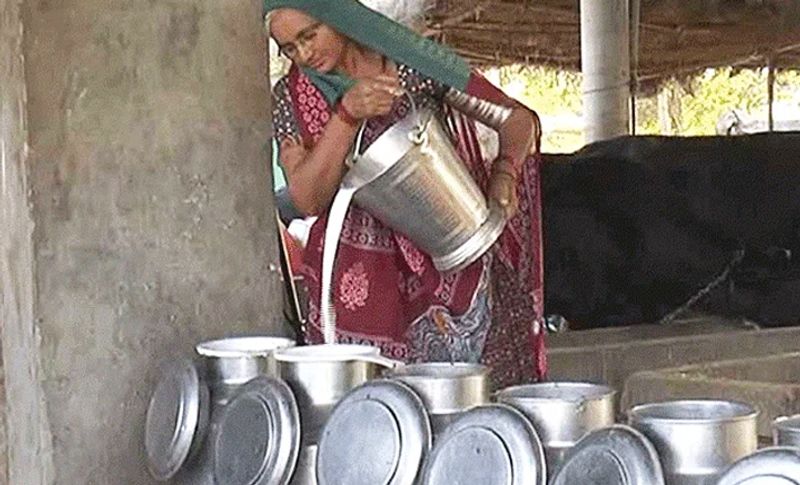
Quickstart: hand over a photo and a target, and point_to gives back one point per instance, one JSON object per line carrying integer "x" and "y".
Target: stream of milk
{"x": 332, "y": 232}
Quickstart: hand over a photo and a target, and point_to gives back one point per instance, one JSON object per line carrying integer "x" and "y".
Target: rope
{"x": 718, "y": 280}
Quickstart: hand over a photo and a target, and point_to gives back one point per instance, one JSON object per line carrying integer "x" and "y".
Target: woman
{"x": 350, "y": 65}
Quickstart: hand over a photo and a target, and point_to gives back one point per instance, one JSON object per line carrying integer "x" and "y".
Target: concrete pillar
{"x": 605, "y": 63}
{"x": 136, "y": 216}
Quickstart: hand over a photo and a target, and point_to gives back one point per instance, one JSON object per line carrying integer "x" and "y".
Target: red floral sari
{"x": 384, "y": 285}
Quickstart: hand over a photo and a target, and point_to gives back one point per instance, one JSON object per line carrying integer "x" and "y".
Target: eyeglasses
{"x": 304, "y": 38}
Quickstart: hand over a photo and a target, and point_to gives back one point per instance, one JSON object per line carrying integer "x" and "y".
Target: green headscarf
{"x": 377, "y": 32}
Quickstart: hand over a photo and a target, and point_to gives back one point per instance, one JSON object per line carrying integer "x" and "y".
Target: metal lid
{"x": 779, "y": 465}
{"x": 617, "y": 455}
{"x": 488, "y": 444}
{"x": 378, "y": 434}
{"x": 258, "y": 438}
{"x": 176, "y": 419}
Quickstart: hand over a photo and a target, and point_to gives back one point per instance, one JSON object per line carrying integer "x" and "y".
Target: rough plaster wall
{"x": 17, "y": 292}
{"x": 144, "y": 222}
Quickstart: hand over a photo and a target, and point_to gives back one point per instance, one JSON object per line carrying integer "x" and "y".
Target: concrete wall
{"x": 136, "y": 215}
{"x": 16, "y": 278}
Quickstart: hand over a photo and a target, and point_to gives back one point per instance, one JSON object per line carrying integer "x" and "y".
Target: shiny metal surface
{"x": 320, "y": 381}
{"x": 490, "y": 114}
{"x": 481, "y": 240}
{"x": 236, "y": 360}
{"x": 769, "y": 466}
{"x": 491, "y": 444}
{"x": 445, "y": 387}
{"x": 177, "y": 418}
{"x": 378, "y": 434}
{"x": 440, "y": 422}
{"x": 305, "y": 473}
{"x": 562, "y": 412}
{"x": 616, "y": 455}
{"x": 412, "y": 179}
{"x": 697, "y": 439}
{"x": 786, "y": 431}
{"x": 199, "y": 468}
{"x": 258, "y": 438}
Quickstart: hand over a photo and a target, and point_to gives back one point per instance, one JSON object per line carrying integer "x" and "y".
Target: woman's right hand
{"x": 371, "y": 97}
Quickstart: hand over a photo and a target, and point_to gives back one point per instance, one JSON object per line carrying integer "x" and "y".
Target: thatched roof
{"x": 676, "y": 36}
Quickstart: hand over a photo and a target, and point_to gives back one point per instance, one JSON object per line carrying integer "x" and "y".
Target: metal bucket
{"x": 786, "y": 431}
{"x": 697, "y": 439}
{"x": 412, "y": 179}
{"x": 305, "y": 473}
{"x": 562, "y": 413}
{"x": 231, "y": 362}
{"x": 320, "y": 375}
{"x": 446, "y": 389}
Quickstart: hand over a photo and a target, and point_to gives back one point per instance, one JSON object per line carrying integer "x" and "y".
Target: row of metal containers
{"x": 258, "y": 411}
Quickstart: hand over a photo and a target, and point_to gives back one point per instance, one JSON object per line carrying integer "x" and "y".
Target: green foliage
{"x": 551, "y": 91}
{"x": 690, "y": 107}
{"x": 716, "y": 91}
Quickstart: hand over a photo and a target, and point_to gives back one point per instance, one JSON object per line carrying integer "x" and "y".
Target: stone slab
{"x": 770, "y": 383}
{"x": 620, "y": 335}
{"x": 613, "y": 363}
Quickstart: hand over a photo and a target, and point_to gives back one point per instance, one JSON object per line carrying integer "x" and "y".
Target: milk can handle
{"x": 351, "y": 160}
{"x": 416, "y": 136}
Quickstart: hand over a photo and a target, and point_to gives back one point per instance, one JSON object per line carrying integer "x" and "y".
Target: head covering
{"x": 410, "y": 13}
{"x": 377, "y": 32}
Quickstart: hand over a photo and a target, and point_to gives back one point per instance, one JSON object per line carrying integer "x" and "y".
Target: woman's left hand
{"x": 292, "y": 153}
{"x": 503, "y": 190}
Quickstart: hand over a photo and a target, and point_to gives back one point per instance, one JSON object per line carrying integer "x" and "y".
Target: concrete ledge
{"x": 613, "y": 362}
{"x": 771, "y": 384}
{"x": 700, "y": 325}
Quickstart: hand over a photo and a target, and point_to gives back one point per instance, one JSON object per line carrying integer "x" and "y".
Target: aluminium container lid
{"x": 177, "y": 417}
{"x": 493, "y": 443}
{"x": 779, "y": 465}
{"x": 378, "y": 434}
{"x": 617, "y": 455}
{"x": 257, "y": 441}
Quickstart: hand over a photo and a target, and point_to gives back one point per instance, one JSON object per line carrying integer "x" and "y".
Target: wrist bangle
{"x": 345, "y": 115}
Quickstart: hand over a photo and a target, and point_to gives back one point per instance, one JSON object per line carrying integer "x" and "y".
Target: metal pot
{"x": 320, "y": 375}
{"x": 697, "y": 439}
{"x": 413, "y": 180}
{"x": 305, "y": 473}
{"x": 231, "y": 362}
{"x": 786, "y": 431}
{"x": 447, "y": 389}
{"x": 562, "y": 413}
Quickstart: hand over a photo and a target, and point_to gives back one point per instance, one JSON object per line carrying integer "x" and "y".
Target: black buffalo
{"x": 635, "y": 226}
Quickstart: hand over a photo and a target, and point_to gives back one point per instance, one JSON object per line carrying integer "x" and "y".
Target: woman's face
{"x": 306, "y": 41}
